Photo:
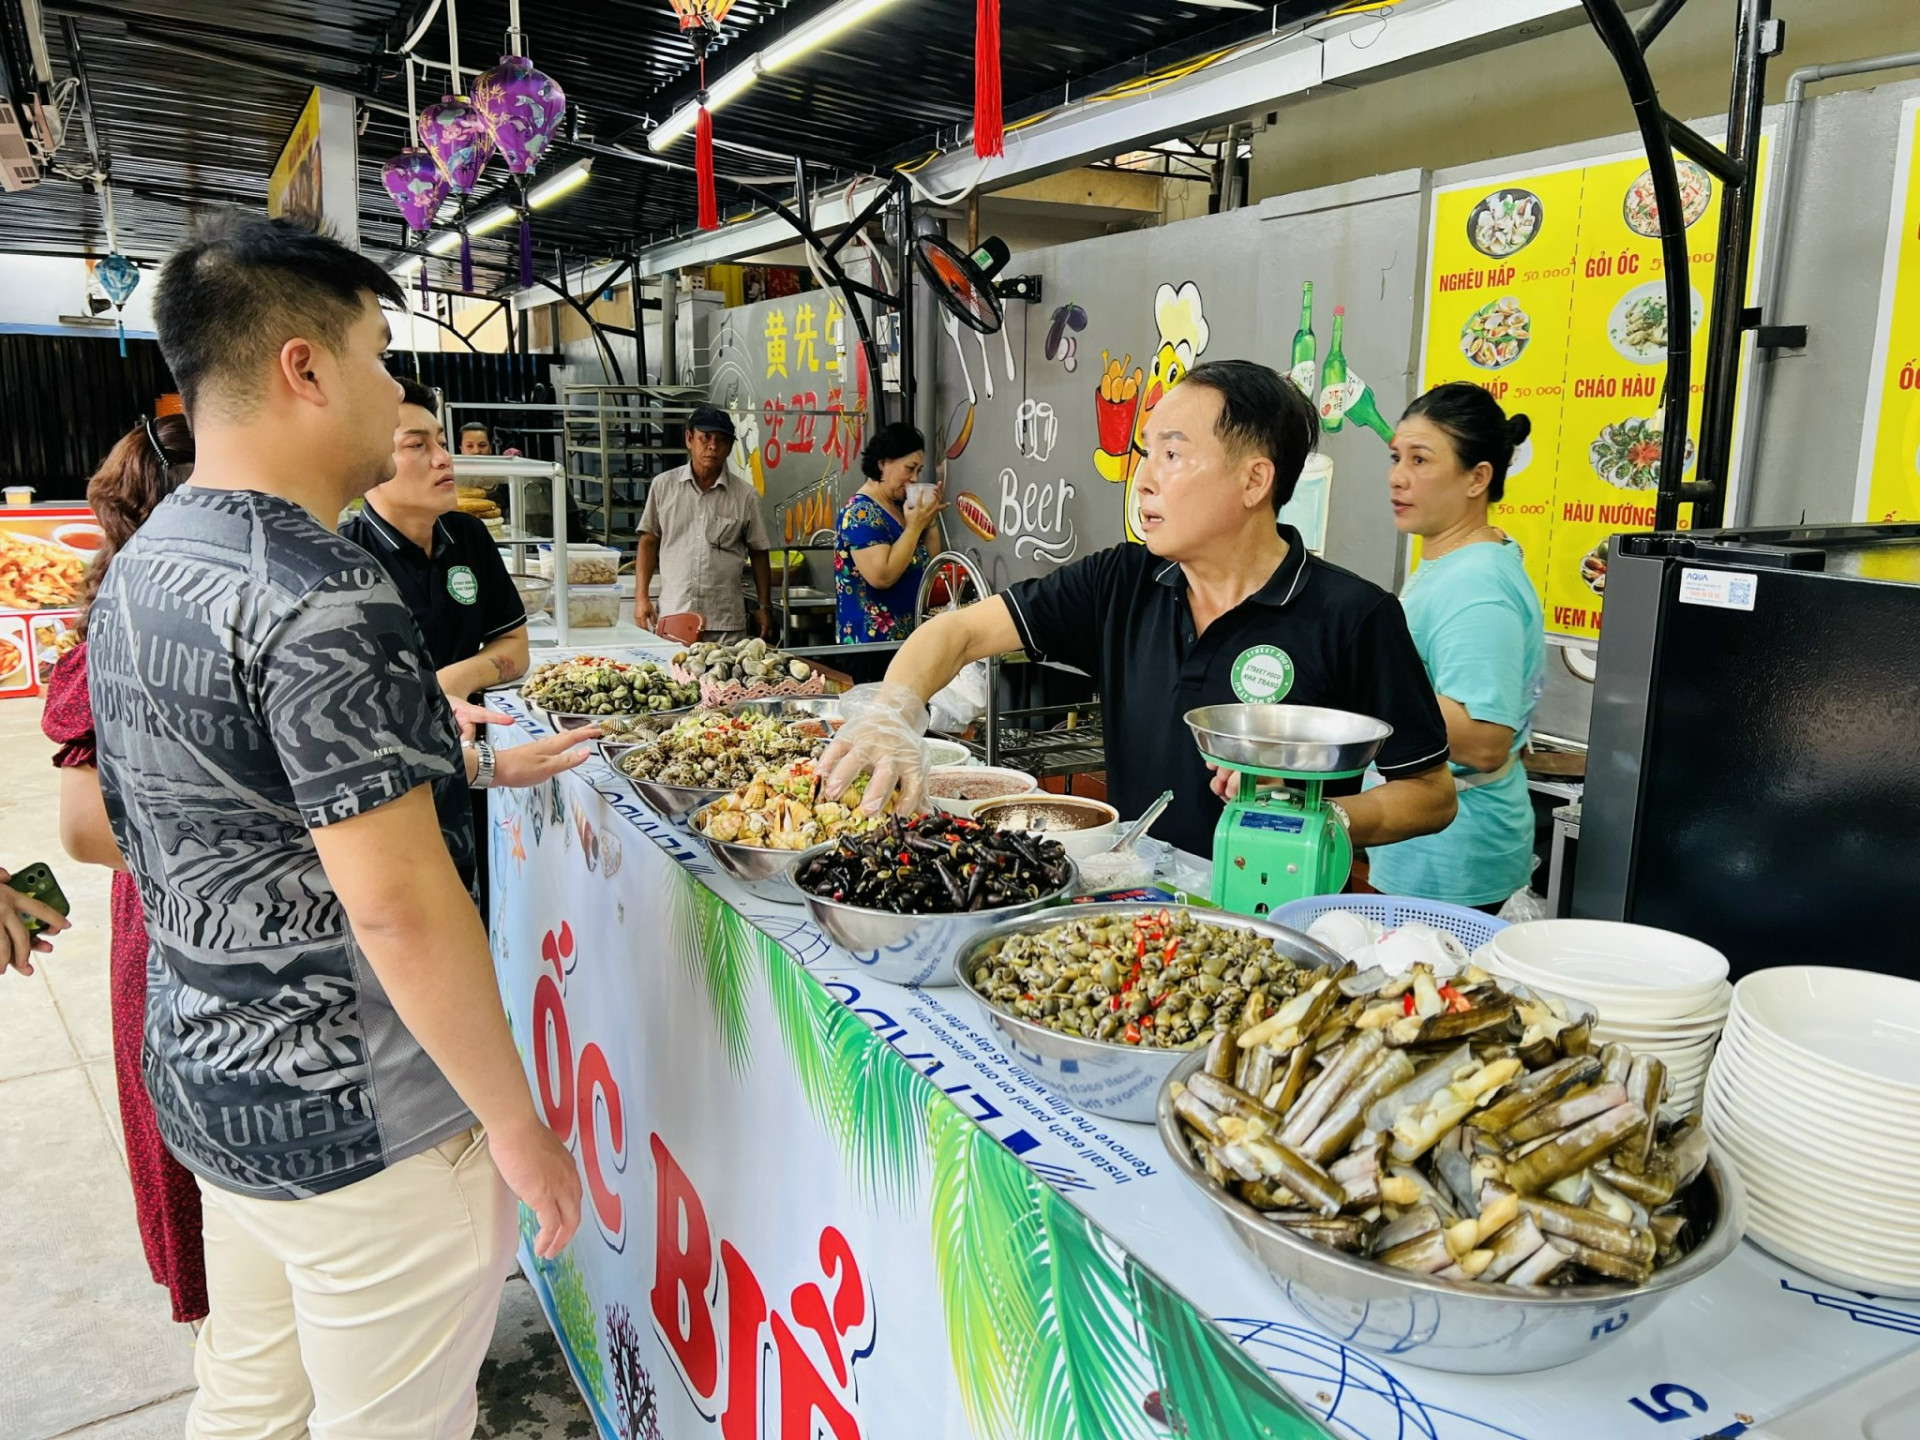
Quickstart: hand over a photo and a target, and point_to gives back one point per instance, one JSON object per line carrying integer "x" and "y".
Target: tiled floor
{"x": 91, "y": 1353}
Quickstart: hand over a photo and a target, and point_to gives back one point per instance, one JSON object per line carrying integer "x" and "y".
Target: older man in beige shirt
{"x": 700, "y": 524}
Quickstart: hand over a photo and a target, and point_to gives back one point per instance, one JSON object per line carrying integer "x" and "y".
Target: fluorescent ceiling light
{"x": 548, "y": 190}
{"x": 815, "y": 33}
{"x": 818, "y": 32}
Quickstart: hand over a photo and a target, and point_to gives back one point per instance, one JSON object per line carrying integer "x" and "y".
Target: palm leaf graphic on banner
{"x": 1038, "y": 1309}
{"x": 716, "y": 944}
{"x": 1208, "y": 1385}
{"x": 868, "y": 1098}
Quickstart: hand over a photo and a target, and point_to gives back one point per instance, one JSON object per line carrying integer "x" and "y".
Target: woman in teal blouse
{"x": 1477, "y": 623}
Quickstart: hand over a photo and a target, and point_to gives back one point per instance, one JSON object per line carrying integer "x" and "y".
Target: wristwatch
{"x": 483, "y": 768}
{"x": 1340, "y": 814}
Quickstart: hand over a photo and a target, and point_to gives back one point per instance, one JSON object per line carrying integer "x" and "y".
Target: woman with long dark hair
{"x": 1477, "y": 624}
{"x": 148, "y": 464}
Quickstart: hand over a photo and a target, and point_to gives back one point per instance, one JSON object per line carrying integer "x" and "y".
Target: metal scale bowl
{"x": 1282, "y": 844}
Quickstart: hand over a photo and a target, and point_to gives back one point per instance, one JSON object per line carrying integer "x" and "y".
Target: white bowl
{"x": 1791, "y": 1073}
{"x": 1595, "y": 958}
{"x": 1089, "y": 840}
{"x": 1027, "y": 785}
{"x": 1833, "y": 1274}
{"x": 1858, "y": 1022}
{"x": 1825, "y": 1173}
{"x": 1808, "y": 1108}
{"x": 943, "y": 754}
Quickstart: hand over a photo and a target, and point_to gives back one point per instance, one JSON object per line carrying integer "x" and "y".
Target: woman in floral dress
{"x": 885, "y": 544}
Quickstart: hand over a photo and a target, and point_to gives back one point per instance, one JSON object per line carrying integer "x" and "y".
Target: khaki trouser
{"x": 362, "y": 1314}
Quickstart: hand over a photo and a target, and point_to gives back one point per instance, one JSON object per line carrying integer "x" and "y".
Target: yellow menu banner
{"x": 1547, "y": 290}
{"x": 1889, "y": 483}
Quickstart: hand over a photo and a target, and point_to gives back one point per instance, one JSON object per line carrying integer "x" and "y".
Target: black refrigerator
{"x": 1754, "y": 773}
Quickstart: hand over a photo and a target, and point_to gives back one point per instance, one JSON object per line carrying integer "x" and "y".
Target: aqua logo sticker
{"x": 1262, "y": 675}
{"x": 462, "y": 586}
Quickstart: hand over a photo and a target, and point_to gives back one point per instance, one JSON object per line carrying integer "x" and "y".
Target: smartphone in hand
{"x": 37, "y": 881}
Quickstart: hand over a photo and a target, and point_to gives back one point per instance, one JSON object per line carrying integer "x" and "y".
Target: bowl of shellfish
{"x": 757, "y": 832}
{"x": 903, "y": 898}
{"x": 1101, "y": 1003}
{"x": 1450, "y": 1173}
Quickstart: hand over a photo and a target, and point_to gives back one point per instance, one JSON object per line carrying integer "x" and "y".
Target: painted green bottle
{"x": 1304, "y": 349}
{"x": 1333, "y": 398}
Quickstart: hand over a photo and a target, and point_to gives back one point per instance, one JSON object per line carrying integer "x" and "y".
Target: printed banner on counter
{"x": 1547, "y": 290}
{"x": 1889, "y": 483}
{"x": 857, "y": 1186}
{"x": 790, "y": 1232}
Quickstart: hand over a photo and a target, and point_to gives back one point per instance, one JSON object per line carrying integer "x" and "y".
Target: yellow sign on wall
{"x": 293, "y": 188}
{"x": 1547, "y": 290}
{"x": 1889, "y": 483}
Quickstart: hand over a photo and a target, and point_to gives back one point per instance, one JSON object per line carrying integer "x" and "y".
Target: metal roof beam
{"x": 1347, "y": 51}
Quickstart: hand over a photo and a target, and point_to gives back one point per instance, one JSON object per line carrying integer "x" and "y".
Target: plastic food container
{"x": 593, "y": 605}
{"x": 586, "y": 565}
{"x": 19, "y": 496}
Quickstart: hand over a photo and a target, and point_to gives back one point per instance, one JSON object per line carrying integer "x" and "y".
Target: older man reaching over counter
{"x": 1221, "y": 604}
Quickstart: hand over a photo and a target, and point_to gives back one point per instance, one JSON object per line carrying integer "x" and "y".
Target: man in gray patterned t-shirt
{"x": 285, "y": 780}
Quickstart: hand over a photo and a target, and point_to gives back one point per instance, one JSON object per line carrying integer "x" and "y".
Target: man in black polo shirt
{"x": 445, "y": 564}
{"x": 1220, "y": 605}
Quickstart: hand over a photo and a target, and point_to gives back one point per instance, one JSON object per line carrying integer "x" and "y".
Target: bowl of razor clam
{"x": 1446, "y": 1170}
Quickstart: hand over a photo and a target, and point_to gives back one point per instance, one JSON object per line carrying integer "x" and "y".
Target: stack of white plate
{"x": 1657, "y": 993}
{"x": 1815, "y": 1096}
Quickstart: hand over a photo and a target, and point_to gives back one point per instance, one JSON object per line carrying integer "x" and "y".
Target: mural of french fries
{"x": 1115, "y": 406}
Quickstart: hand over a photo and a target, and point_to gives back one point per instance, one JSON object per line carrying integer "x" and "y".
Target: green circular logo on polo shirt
{"x": 1262, "y": 675}
{"x": 464, "y": 588}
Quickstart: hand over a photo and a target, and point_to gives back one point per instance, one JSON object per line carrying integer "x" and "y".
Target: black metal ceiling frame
{"x": 1757, "y": 37}
{"x": 826, "y": 255}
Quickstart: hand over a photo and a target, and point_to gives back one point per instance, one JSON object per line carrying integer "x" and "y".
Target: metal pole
{"x": 1728, "y": 327}
{"x": 669, "y": 327}
{"x": 904, "y": 265}
{"x": 1617, "y": 35}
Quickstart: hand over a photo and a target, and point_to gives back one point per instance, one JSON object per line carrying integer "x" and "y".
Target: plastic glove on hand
{"x": 879, "y": 735}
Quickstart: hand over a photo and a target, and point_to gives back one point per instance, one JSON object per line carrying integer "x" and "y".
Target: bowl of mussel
{"x": 1445, "y": 1171}
{"x": 1101, "y": 1002}
{"x": 758, "y": 832}
{"x": 679, "y": 764}
{"x": 902, "y": 898}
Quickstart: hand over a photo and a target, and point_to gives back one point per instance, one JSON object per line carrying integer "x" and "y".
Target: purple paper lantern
{"x": 414, "y": 181}
{"x": 522, "y": 109}
{"x": 457, "y": 137}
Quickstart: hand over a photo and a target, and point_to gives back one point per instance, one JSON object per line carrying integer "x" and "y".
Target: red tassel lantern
{"x": 989, "y": 131}
{"x": 700, "y": 20}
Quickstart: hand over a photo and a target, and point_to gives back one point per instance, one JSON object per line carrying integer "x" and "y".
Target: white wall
{"x": 36, "y": 290}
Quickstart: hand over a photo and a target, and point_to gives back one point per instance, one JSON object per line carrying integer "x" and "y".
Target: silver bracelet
{"x": 483, "y": 768}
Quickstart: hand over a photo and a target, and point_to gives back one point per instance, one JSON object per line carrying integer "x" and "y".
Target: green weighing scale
{"x": 1284, "y": 843}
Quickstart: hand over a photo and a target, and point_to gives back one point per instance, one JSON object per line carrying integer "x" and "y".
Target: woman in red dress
{"x": 142, "y": 470}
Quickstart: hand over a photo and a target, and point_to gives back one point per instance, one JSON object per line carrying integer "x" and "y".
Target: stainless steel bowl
{"x": 1460, "y": 1326}
{"x": 1105, "y": 1077}
{"x": 672, "y": 803}
{"x": 915, "y": 950}
{"x": 613, "y": 724}
{"x": 824, "y": 708}
{"x": 1287, "y": 737}
{"x": 762, "y": 873}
